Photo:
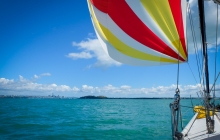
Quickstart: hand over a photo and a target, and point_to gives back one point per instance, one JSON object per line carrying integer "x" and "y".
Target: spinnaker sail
{"x": 141, "y": 32}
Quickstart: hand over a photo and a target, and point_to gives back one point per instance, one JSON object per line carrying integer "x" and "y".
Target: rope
{"x": 178, "y": 66}
{"x": 177, "y": 75}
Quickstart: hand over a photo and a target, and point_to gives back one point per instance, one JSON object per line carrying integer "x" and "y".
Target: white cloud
{"x": 75, "y": 89}
{"x": 86, "y": 88}
{"x": 45, "y": 74}
{"x": 41, "y": 75}
{"x": 81, "y": 55}
{"x": 4, "y": 81}
{"x": 22, "y": 79}
{"x": 92, "y": 35}
{"x": 36, "y": 77}
{"x": 125, "y": 87}
{"x": 91, "y": 48}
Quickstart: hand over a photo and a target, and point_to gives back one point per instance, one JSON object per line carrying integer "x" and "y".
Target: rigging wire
{"x": 215, "y": 82}
{"x": 194, "y": 42}
{"x": 215, "y": 53}
{"x": 196, "y": 50}
{"x": 203, "y": 68}
{"x": 187, "y": 111}
{"x": 194, "y": 77}
{"x": 203, "y": 71}
{"x": 202, "y": 81}
{"x": 192, "y": 73}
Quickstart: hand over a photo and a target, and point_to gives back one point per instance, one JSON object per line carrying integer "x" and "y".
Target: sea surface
{"x": 88, "y": 119}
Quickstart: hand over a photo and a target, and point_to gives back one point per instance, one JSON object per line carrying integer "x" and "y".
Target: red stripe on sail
{"x": 127, "y": 20}
{"x": 175, "y": 6}
{"x": 102, "y": 5}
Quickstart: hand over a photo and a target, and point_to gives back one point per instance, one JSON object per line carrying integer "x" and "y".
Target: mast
{"x": 204, "y": 44}
{"x": 209, "y": 122}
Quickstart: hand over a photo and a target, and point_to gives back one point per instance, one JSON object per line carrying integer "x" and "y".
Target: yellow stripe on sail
{"x": 96, "y": 21}
{"x": 125, "y": 49}
{"x": 161, "y": 13}
{"x": 122, "y": 47}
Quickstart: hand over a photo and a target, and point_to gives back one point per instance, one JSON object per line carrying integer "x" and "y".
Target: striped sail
{"x": 141, "y": 32}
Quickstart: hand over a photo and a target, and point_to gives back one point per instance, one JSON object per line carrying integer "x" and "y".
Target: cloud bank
{"x": 27, "y": 87}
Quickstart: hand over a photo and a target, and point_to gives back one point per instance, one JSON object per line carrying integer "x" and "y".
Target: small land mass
{"x": 93, "y": 97}
{"x": 104, "y": 97}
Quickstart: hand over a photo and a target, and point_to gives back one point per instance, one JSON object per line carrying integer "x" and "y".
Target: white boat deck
{"x": 196, "y": 129}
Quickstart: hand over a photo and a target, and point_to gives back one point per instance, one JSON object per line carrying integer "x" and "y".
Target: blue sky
{"x": 50, "y": 47}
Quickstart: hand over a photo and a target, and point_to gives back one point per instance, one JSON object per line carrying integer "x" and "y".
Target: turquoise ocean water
{"x": 85, "y": 119}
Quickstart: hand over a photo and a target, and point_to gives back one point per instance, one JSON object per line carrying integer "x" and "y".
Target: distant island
{"x": 104, "y": 97}
{"x": 93, "y": 97}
